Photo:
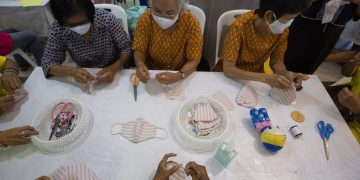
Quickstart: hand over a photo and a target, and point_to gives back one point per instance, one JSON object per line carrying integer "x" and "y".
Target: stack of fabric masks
{"x": 205, "y": 119}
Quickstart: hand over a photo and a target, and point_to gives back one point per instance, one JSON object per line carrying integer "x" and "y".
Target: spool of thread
{"x": 296, "y": 131}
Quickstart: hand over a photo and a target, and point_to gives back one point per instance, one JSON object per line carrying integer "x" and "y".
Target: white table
{"x": 35, "y": 18}
{"x": 113, "y": 157}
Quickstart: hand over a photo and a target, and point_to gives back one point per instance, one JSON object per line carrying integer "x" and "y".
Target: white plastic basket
{"x": 188, "y": 139}
{"x": 76, "y": 137}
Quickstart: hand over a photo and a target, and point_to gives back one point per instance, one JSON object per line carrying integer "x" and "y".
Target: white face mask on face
{"x": 277, "y": 27}
{"x": 82, "y": 29}
{"x": 165, "y": 23}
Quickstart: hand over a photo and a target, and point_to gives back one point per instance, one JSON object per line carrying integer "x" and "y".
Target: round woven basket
{"x": 188, "y": 139}
{"x": 76, "y": 137}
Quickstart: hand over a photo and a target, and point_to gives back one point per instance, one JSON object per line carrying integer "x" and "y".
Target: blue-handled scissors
{"x": 325, "y": 131}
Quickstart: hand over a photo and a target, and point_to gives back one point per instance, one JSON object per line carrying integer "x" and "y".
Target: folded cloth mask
{"x": 284, "y": 96}
{"x": 91, "y": 85}
{"x": 180, "y": 174}
{"x": 205, "y": 119}
{"x": 77, "y": 171}
{"x": 247, "y": 97}
{"x": 138, "y": 130}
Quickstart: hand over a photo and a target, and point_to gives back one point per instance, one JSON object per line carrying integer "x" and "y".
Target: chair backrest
{"x": 226, "y": 19}
{"x": 118, "y": 11}
{"x": 199, "y": 14}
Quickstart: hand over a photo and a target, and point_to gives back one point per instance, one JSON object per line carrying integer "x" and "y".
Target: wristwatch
{"x": 182, "y": 75}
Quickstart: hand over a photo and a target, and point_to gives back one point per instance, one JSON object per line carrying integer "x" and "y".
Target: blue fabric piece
{"x": 271, "y": 147}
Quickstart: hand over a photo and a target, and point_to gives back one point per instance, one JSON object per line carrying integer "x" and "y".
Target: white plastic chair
{"x": 24, "y": 55}
{"x": 199, "y": 14}
{"x": 226, "y": 19}
{"x": 118, "y": 11}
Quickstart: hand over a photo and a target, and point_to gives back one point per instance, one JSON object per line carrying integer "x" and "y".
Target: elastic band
{"x": 167, "y": 135}
{"x": 112, "y": 127}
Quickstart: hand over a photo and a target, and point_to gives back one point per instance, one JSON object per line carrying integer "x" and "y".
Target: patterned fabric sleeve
{"x": 118, "y": 34}
{"x": 279, "y": 52}
{"x": 54, "y": 53}
{"x": 195, "y": 41}
{"x": 232, "y": 43}
{"x": 142, "y": 33}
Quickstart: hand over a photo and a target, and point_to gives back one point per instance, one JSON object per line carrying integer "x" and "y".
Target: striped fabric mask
{"x": 138, "y": 130}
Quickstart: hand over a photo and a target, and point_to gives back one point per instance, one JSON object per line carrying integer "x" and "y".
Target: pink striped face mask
{"x": 138, "y": 130}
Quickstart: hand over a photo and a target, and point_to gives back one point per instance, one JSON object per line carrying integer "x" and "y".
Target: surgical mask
{"x": 82, "y": 29}
{"x": 138, "y": 130}
{"x": 165, "y": 23}
{"x": 277, "y": 27}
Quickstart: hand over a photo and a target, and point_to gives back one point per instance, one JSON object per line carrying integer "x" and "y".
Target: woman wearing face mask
{"x": 167, "y": 38}
{"x": 255, "y": 36}
{"x": 94, "y": 39}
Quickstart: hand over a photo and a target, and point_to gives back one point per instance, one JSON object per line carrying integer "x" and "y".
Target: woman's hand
{"x": 168, "y": 77}
{"x": 197, "y": 172}
{"x": 6, "y": 103}
{"x": 349, "y": 100}
{"x": 107, "y": 74}
{"x": 162, "y": 173}
{"x": 17, "y": 136}
{"x": 82, "y": 76}
{"x": 277, "y": 80}
{"x": 142, "y": 73}
{"x": 10, "y": 81}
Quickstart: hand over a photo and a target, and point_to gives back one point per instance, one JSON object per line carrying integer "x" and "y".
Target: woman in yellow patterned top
{"x": 260, "y": 34}
{"x": 167, "y": 37}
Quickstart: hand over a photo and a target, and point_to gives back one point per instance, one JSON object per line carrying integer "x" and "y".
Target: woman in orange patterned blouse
{"x": 167, "y": 38}
{"x": 255, "y": 36}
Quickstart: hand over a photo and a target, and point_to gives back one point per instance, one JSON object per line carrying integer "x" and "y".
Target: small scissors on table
{"x": 134, "y": 80}
{"x": 325, "y": 131}
{"x": 60, "y": 117}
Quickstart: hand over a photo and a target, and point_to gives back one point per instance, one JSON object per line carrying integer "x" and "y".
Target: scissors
{"x": 60, "y": 114}
{"x": 325, "y": 131}
{"x": 134, "y": 80}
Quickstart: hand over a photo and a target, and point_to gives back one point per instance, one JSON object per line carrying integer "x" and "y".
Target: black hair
{"x": 282, "y": 7}
{"x": 63, "y": 9}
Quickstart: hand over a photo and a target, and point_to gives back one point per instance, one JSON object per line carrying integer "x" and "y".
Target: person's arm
{"x": 10, "y": 70}
{"x": 193, "y": 48}
{"x": 141, "y": 45}
{"x": 193, "y": 51}
{"x": 54, "y": 56}
{"x": 123, "y": 43}
{"x": 341, "y": 56}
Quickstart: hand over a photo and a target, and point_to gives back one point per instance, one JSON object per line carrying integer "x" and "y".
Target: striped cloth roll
{"x": 72, "y": 172}
{"x": 284, "y": 96}
{"x": 247, "y": 97}
{"x": 224, "y": 100}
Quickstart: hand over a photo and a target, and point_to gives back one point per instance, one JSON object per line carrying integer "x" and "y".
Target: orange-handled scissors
{"x": 134, "y": 80}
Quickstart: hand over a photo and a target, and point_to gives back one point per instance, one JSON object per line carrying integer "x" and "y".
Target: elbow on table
{"x": 227, "y": 71}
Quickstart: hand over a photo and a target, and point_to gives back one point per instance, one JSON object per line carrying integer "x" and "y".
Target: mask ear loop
{"x": 162, "y": 138}
{"x": 112, "y": 127}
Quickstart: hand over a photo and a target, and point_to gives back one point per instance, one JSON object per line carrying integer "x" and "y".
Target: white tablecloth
{"x": 113, "y": 157}
{"x": 35, "y": 18}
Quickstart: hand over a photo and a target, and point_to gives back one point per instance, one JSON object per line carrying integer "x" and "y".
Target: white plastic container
{"x": 187, "y": 138}
{"x": 76, "y": 137}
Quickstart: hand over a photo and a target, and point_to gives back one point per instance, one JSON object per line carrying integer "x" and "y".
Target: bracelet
{"x": 9, "y": 73}
{"x": 10, "y": 70}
